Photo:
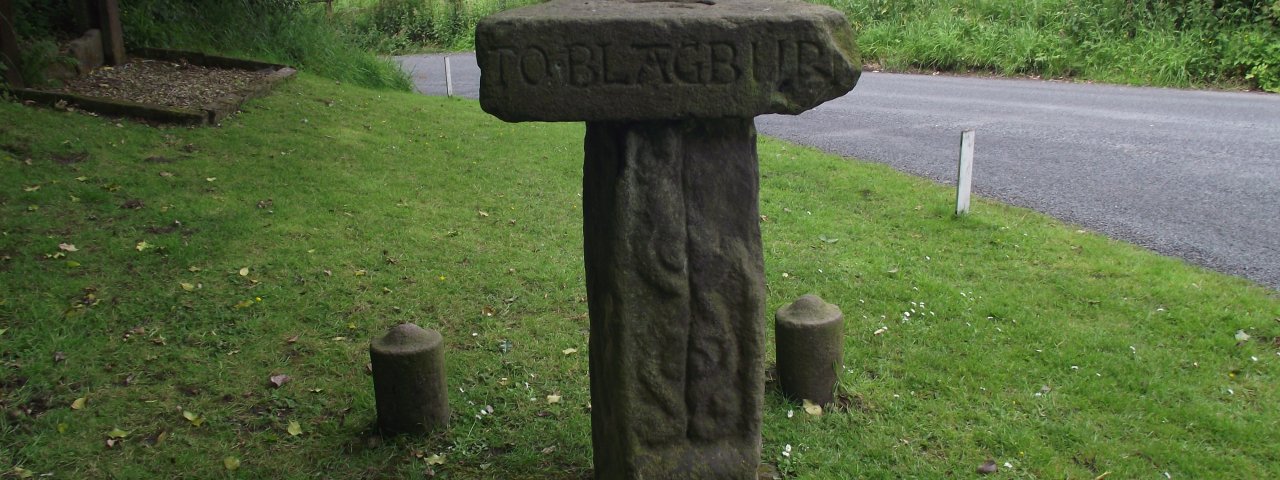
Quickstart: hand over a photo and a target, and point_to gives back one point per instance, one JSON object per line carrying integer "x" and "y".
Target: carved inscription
{"x": 592, "y": 65}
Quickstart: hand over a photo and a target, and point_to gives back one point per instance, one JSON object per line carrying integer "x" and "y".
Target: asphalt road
{"x": 1191, "y": 174}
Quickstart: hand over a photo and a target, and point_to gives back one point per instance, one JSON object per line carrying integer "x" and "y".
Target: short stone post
{"x": 409, "y": 380}
{"x": 674, "y": 262}
{"x": 809, "y": 336}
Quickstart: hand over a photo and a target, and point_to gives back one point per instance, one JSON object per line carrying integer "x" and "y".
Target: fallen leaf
{"x": 481, "y": 212}
{"x": 117, "y": 433}
{"x": 231, "y": 463}
{"x": 553, "y": 399}
{"x": 194, "y": 418}
{"x": 244, "y": 271}
{"x": 435, "y": 459}
{"x": 244, "y": 304}
{"x": 548, "y": 450}
{"x": 166, "y": 174}
{"x": 825, "y": 239}
{"x": 278, "y": 381}
{"x": 72, "y": 264}
{"x": 210, "y": 179}
{"x": 812, "y": 408}
{"x": 31, "y": 188}
{"x": 20, "y": 472}
{"x": 294, "y": 429}
{"x": 67, "y": 247}
{"x": 78, "y": 403}
{"x": 59, "y": 357}
{"x": 187, "y": 286}
{"x": 143, "y": 245}
{"x": 880, "y": 330}
{"x": 291, "y": 340}
{"x": 81, "y": 178}
{"x": 1241, "y": 336}
{"x": 360, "y": 273}
{"x": 569, "y": 351}
{"x": 988, "y": 467}
{"x": 62, "y": 427}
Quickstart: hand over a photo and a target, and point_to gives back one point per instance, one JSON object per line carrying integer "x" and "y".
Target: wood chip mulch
{"x": 156, "y": 82}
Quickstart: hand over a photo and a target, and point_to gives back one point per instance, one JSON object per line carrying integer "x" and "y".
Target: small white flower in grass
{"x": 791, "y": 413}
{"x": 1075, "y": 367}
{"x": 1008, "y": 465}
{"x": 1253, "y": 358}
{"x": 786, "y": 451}
{"x": 1231, "y": 391}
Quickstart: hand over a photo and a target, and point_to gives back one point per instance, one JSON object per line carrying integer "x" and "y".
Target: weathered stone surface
{"x": 809, "y": 334}
{"x": 409, "y": 380}
{"x": 675, "y": 283}
{"x": 605, "y": 60}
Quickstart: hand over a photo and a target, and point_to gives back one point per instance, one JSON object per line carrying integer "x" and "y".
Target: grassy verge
{"x": 1228, "y": 43}
{"x": 199, "y": 263}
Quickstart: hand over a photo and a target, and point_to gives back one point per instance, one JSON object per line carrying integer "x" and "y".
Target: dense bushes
{"x": 293, "y": 32}
{"x": 1155, "y": 42}
{"x": 397, "y": 26}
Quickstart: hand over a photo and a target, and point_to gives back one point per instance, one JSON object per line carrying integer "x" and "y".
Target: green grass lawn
{"x": 164, "y": 275}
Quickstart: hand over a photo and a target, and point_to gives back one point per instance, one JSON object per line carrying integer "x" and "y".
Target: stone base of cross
{"x": 675, "y": 271}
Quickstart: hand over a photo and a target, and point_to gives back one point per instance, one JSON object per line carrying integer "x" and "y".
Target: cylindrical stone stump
{"x": 409, "y": 380}
{"x": 810, "y": 344}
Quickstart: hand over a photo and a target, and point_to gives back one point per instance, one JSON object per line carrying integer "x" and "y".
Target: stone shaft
{"x": 675, "y": 283}
{"x": 614, "y": 60}
{"x": 409, "y": 380}
{"x": 810, "y": 345}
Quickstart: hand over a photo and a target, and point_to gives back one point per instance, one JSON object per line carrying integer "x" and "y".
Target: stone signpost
{"x": 675, "y": 272}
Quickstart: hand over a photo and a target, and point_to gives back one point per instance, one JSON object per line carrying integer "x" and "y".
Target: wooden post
{"x": 112, "y": 35}
{"x": 9, "y": 55}
{"x": 448, "y": 78}
{"x": 964, "y": 182}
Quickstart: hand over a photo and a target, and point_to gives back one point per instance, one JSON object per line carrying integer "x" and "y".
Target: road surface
{"x": 1191, "y": 174}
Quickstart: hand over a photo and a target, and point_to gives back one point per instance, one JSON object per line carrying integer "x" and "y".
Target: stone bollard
{"x": 809, "y": 334}
{"x": 409, "y": 380}
{"x": 674, "y": 261}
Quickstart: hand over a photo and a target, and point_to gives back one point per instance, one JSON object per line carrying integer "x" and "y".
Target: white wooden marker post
{"x": 964, "y": 182}
{"x": 448, "y": 78}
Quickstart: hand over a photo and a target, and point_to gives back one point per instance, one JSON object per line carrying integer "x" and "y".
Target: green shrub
{"x": 400, "y": 26}
{"x": 292, "y": 32}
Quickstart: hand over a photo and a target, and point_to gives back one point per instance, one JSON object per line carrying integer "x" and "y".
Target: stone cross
{"x": 674, "y": 265}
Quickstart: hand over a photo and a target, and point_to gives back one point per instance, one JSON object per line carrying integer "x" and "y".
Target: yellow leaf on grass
{"x": 62, "y": 427}
{"x": 294, "y": 429}
{"x": 231, "y": 463}
{"x": 812, "y": 408}
{"x": 244, "y": 271}
{"x": 143, "y": 245}
{"x": 117, "y": 433}
{"x": 78, "y": 403}
{"x": 244, "y": 304}
{"x": 31, "y": 188}
{"x": 569, "y": 351}
{"x": 360, "y": 273}
{"x": 187, "y": 286}
{"x": 67, "y": 247}
{"x": 553, "y": 399}
{"x": 435, "y": 459}
{"x": 194, "y": 418}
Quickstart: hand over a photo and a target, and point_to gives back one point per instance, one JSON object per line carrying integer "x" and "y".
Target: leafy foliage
{"x": 1155, "y": 42}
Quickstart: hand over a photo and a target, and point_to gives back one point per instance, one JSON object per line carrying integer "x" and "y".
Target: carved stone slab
{"x": 605, "y": 60}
